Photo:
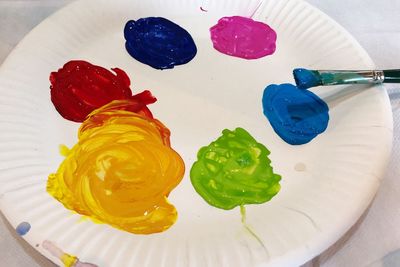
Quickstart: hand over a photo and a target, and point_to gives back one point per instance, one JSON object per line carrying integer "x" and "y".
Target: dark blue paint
{"x": 159, "y": 42}
{"x": 306, "y": 78}
{"x": 296, "y": 115}
{"x": 23, "y": 228}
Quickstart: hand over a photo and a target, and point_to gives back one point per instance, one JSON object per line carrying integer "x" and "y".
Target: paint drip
{"x": 250, "y": 230}
{"x": 296, "y": 115}
{"x": 121, "y": 171}
{"x": 80, "y": 87}
{"x": 233, "y": 171}
{"x": 243, "y": 37}
{"x": 159, "y": 42}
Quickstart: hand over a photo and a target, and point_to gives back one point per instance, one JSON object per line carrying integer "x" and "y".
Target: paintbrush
{"x": 310, "y": 78}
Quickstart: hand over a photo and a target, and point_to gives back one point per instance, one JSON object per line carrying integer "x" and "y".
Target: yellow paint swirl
{"x": 121, "y": 171}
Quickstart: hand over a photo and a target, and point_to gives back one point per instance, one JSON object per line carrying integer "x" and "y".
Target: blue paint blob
{"x": 296, "y": 115}
{"x": 306, "y": 78}
{"x": 158, "y": 42}
{"x": 23, "y": 228}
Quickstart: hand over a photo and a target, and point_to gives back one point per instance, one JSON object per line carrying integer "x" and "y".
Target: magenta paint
{"x": 243, "y": 37}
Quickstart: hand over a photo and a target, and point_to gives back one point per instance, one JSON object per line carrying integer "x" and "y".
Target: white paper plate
{"x": 315, "y": 207}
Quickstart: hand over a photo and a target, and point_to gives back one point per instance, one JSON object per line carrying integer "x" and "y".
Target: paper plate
{"x": 326, "y": 184}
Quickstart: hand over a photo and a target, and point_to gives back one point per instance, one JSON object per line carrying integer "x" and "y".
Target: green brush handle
{"x": 391, "y": 76}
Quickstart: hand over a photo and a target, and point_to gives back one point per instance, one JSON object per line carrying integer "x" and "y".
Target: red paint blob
{"x": 79, "y": 87}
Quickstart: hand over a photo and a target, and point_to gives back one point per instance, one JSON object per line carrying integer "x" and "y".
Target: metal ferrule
{"x": 378, "y": 76}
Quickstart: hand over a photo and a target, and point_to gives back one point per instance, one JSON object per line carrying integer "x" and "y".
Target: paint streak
{"x": 251, "y": 232}
{"x": 79, "y": 87}
{"x": 67, "y": 259}
{"x": 314, "y": 224}
{"x": 121, "y": 171}
{"x": 256, "y": 9}
{"x": 159, "y": 42}
{"x": 243, "y": 37}
{"x": 202, "y": 9}
{"x": 296, "y": 115}
{"x": 234, "y": 170}
{"x": 23, "y": 228}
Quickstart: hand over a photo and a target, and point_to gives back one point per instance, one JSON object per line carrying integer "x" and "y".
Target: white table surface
{"x": 375, "y": 24}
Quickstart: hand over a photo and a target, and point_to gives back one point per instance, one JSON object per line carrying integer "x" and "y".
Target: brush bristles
{"x": 306, "y": 78}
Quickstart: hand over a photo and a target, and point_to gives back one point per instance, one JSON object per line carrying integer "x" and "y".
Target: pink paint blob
{"x": 243, "y": 37}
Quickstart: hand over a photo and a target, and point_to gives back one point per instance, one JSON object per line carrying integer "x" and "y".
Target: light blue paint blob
{"x": 23, "y": 228}
{"x": 306, "y": 78}
{"x": 296, "y": 115}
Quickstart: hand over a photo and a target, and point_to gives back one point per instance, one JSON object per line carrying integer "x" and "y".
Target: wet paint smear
{"x": 80, "y": 87}
{"x": 306, "y": 78}
{"x": 158, "y": 42}
{"x": 67, "y": 259}
{"x": 243, "y": 37}
{"x": 121, "y": 171}
{"x": 233, "y": 171}
{"x": 296, "y": 115}
{"x": 23, "y": 228}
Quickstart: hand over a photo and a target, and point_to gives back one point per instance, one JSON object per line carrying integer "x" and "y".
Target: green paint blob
{"x": 233, "y": 171}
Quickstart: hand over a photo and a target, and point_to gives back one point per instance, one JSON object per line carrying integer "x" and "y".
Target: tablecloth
{"x": 375, "y": 241}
